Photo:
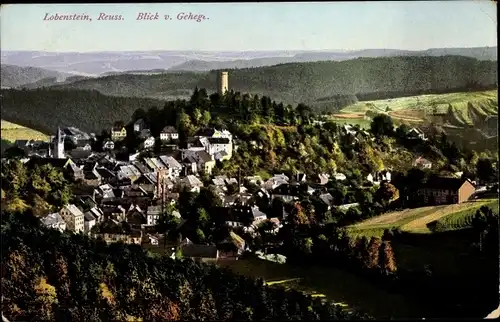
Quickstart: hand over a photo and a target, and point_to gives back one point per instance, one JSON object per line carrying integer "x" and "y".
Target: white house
{"x": 108, "y": 145}
{"x": 54, "y": 221}
{"x": 139, "y": 125}
{"x": 152, "y": 215}
{"x": 276, "y": 181}
{"x": 169, "y": 133}
{"x": 258, "y": 215}
{"x": 73, "y": 217}
{"x": 194, "y": 184}
{"x": 148, "y": 143}
{"x": 221, "y": 144}
{"x": 173, "y": 166}
{"x": 340, "y": 176}
{"x": 422, "y": 162}
{"x": 415, "y": 133}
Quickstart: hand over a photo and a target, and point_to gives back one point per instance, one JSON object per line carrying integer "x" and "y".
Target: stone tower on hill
{"x": 223, "y": 83}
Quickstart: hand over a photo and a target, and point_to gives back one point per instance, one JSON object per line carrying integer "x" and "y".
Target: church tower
{"x": 59, "y": 145}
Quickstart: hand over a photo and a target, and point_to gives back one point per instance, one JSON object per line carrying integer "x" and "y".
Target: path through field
{"x": 420, "y": 224}
{"x": 415, "y": 220}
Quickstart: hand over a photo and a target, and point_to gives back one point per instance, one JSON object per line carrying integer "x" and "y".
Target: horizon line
{"x": 239, "y": 51}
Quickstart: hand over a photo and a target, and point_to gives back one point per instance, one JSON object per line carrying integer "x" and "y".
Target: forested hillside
{"x": 48, "y": 275}
{"x": 13, "y": 76}
{"x": 369, "y": 78}
{"x": 46, "y": 109}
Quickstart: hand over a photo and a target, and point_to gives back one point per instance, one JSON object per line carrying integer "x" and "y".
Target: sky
{"x": 414, "y": 25}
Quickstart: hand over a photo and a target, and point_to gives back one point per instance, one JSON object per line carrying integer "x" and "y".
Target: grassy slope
{"x": 468, "y": 108}
{"x": 11, "y": 132}
{"x": 416, "y": 220}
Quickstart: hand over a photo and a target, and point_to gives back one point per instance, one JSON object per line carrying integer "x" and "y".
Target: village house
{"x": 135, "y": 237}
{"x": 223, "y": 147}
{"x": 204, "y": 161}
{"x": 89, "y": 221}
{"x": 415, "y": 133}
{"x": 139, "y": 125}
{"x": 288, "y": 192}
{"x": 169, "y": 133}
{"x": 148, "y": 143}
{"x": 118, "y": 133}
{"x": 378, "y": 177}
{"x": 76, "y": 135}
{"x": 174, "y": 168}
{"x": 113, "y": 211}
{"x": 97, "y": 214}
{"x": 136, "y": 218}
{"x": 422, "y": 163}
{"x": 192, "y": 183}
{"x": 323, "y": 179}
{"x": 275, "y": 181}
{"x": 327, "y": 198}
{"x": 54, "y": 221}
{"x": 153, "y": 214}
{"x": 438, "y": 191}
{"x": 108, "y": 145}
{"x": 200, "y": 253}
{"x": 73, "y": 217}
{"x": 76, "y": 172}
{"x": 232, "y": 247}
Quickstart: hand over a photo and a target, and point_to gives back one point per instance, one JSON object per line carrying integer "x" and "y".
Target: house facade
{"x": 118, "y": 133}
{"x": 73, "y": 217}
{"x": 54, "y": 221}
{"x": 148, "y": 143}
{"x": 438, "y": 191}
{"x": 108, "y": 145}
{"x": 169, "y": 133}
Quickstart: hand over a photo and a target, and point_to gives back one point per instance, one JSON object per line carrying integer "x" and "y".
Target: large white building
{"x": 73, "y": 217}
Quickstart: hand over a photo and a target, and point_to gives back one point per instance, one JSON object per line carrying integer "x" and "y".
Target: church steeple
{"x": 59, "y": 146}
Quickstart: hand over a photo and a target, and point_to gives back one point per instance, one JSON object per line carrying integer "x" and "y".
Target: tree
{"x": 14, "y": 152}
{"x": 382, "y": 125}
{"x": 306, "y": 245}
{"x": 167, "y": 223}
{"x": 387, "y": 192}
{"x": 484, "y": 221}
{"x": 387, "y": 262}
{"x": 373, "y": 252}
{"x": 402, "y": 131}
{"x": 485, "y": 170}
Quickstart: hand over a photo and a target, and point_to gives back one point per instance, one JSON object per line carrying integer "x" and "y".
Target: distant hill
{"x": 46, "y": 109}
{"x": 15, "y": 76}
{"x": 368, "y": 78}
{"x": 100, "y": 63}
{"x": 480, "y": 53}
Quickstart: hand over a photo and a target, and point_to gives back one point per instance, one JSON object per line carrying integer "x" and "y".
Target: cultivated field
{"x": 415, "y": 220}
{"x": 461, "y": 219}
{"x": 467, "y": 108}
{"x": 12, "y": 132}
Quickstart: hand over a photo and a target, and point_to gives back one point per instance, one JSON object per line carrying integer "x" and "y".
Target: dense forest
{"x": 51, "y": 275}
{"x": 46, "y": 109}
{"x": 295, "y": 83}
